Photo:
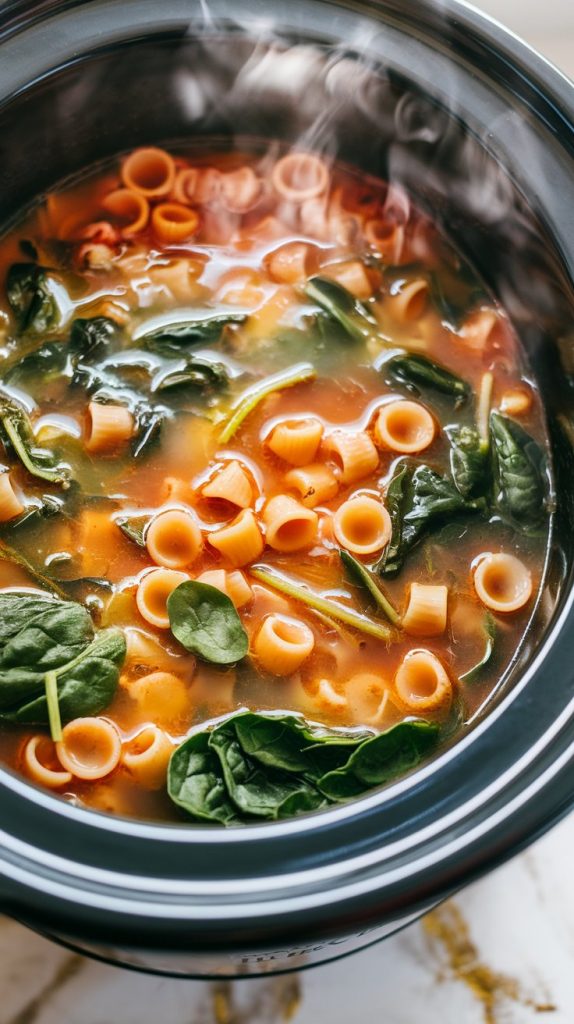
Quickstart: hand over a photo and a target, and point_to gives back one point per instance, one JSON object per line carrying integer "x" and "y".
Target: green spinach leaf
{"x": 134, "y": 527}
{"x": 361, "y": 575}
{"x": 416, "y": 371}
{"x": 468, "y": 461}
{"x": 518, "y": 469}
{"x": 205, "y": 622}
{"x": 194, "y": 372}
{"x": 475, "y": 672}
{"x": 47, "y": 363}
{"x": 342, "y": 307}
{"x": 41, "y": 637}
{"x": 30, "y": 298}
{"x": 17, "y": 430}
{"x": 380, "y": 759}
{"x": 195, "y": 782}
{"x": 253, "y": 765}
{"x": 391, "y": 559}
{"x": 91, "y": 338}
{"x": 261, "y": 792}
{"x": 173, "y": 339}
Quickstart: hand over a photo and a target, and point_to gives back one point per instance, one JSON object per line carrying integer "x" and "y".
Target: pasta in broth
{"x": 259, "y": 504}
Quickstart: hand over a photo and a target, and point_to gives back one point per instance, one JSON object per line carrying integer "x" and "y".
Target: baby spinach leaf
{"x": 518, "y": 468}
{"x": 91, "y": 338}
{"x": 490, "y": 636}
{"x": 361, "y": 575}
{"x": 380, "y": 759}
{"x": 17, "y": 429}
{"x": 30, "y": 298}
{"x": 468, "y": 461}
{"x": 194, "y": 372}
{"x": 173, "y": 339}
{"x": 253, "y": 765}
{"x": 86, "y": 685}
{"x": 391, "y": 558}
{"x": 195, "y": 782}
{"x": 205, "y": 622}
{"x": 416, "y": 371}
{"x": 289, "y": 743}
{"x": 342, "y": 306}
{"x": 42, "y": 640}
{"x": 427, "y": 500}
{"x": 261, "y": 792}
{"x": 134, "y": 527}
{"x": 47, "y": 363}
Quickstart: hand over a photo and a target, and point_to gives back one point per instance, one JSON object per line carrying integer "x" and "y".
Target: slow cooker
{"x": 479, "y": 130}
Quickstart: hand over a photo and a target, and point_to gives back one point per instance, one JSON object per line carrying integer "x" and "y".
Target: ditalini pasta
{"x": 173, "y": 538}
{"x": 267, "y": 447}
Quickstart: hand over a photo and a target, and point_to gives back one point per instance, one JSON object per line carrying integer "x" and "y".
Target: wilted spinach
{"x": 46, "y": 362}
{"x": 17, "y": 432}
{"x": 42, "y": 637}
{"x": 426, "y": 500}
{"x": 205, "y": 622}
{"x": 416, "y": 372}
{"x": 472, "y": 674}
{"x": 30, "y": 298}
{"x": 134, "y": 527}
{"x": 193, "y": 372}
{"x": 518, "y": 473}
{"x": 174, "y": 339}
{"x": 469, "y": 462}
{"x": 361, "y": 575}
{"x": 392, "y": 557}
{"x": 91, "y": 338}
{"x": 253, "y": 765}
{"x": 342, "y": 307}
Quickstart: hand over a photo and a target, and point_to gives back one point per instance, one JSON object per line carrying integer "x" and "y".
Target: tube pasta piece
{"x": 405, "y": 426}
{"x": 386, "y": 238}
{"x": 366, "y": 695}
{"x": 291, "y": 263}
{"x": 41, "y": 763}
{"x": 233, "y": 584}
{"x": 95, "y": 256}
{"x": 502, "y": 582}
{"x": 352, "y": 275}
{"x": 232, "y": 484}
{"x": 185, "y": 185}
{"x": 153, "y": 591}
{"x": 179, "y": 277}
{"x": 173, "y": 538}
{"x": 478, "y": 328}
{"x": 144, "y": 651}
{"x": 129, "y": 208}
{"x": 362, "y": 525}
{"x": 282, "y": 644}
{"x": 146, "y": 756}
{"x": 516, "y": 402}
{"x": 422, "y": 682}
{"x": 149, "y": 171}
{"x": 240, "y": 189}
{"x": 173, "y": 222}
{"x": 109, "y": 426}
{"x": 426, "y": 611}
{"x": 329, "y": 701}
{"x": 314, "y": 484}
{"x": 289, "y": 525}
{"x": 241, "y": 541}
{"x": 300, "y": 176}
{"x": 90, "y": 748}
{"x": 162, "y": 697}
{"x": 10, "y": 504}
{"x": 296, "y": 441}
{"x": 410, "y": 301}
{"x": 355, "y": 454}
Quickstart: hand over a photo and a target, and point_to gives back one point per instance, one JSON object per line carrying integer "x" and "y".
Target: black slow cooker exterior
{"x": 480, "y": 130}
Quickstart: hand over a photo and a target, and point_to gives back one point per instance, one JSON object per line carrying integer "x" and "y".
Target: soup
{"x": 274, "y": 502}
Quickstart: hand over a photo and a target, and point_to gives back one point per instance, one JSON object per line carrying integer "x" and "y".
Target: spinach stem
{"x": 8, "y": 554}
{"x": 251, "y": 398}
{"x": 483, "y": 410}
{"x": 55, "y": 475}
{"x": 490, "y": 635}
{"x": 52, "y": 700}
{"x": 322, "y": 604}
{"x": 358, "y": 571}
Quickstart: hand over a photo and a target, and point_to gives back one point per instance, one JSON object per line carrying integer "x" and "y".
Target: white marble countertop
{"x": 502, "y": 952}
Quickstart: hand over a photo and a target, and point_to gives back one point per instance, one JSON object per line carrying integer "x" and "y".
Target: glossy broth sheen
{"x": 370, "y": 239}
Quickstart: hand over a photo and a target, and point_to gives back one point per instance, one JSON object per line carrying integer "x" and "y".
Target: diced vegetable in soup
{"x": 273, "y": 494}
